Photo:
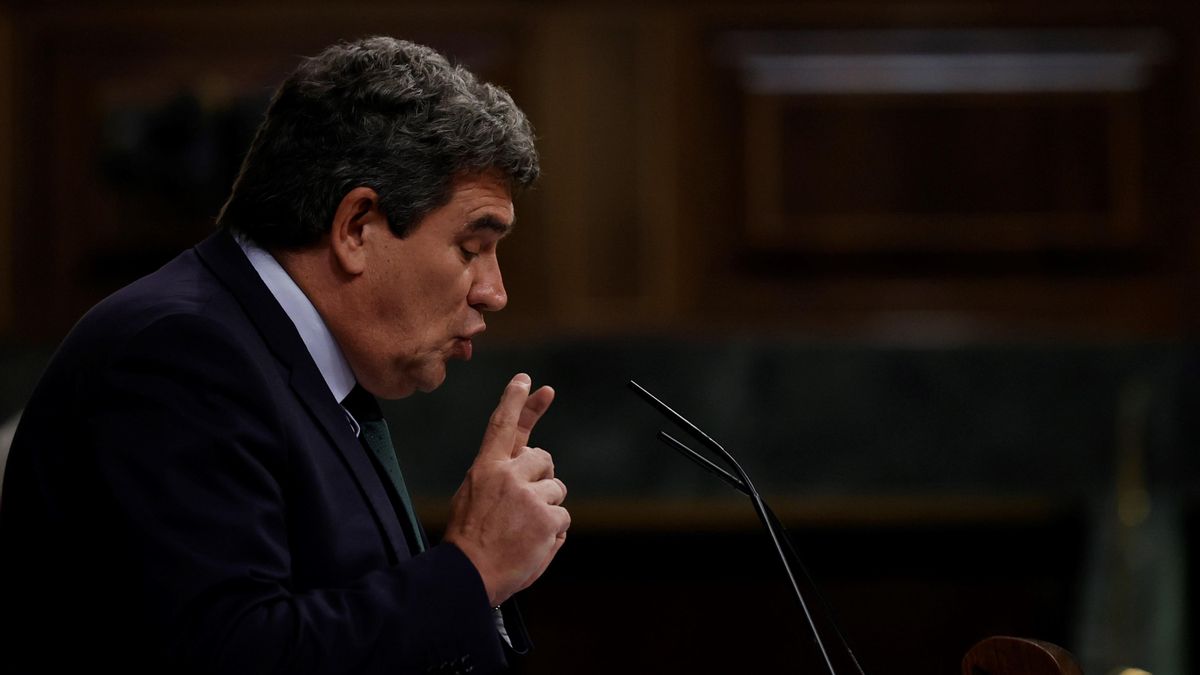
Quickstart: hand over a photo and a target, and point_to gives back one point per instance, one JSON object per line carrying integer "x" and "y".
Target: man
{"x": 202, "y": 481}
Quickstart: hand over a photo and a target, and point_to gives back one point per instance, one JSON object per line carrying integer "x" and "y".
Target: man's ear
{"x": 357, "y": 217}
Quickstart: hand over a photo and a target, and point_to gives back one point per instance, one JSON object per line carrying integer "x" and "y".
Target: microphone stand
{"x": 741, "y": 482}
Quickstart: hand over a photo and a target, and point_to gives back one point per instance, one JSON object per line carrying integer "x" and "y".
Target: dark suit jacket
{"x": 184, "y": 494}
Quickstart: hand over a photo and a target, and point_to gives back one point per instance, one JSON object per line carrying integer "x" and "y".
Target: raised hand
{"x": 507, "y": 516}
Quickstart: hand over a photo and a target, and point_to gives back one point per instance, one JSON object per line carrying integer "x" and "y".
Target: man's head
{"x": 382, "y": 180}
{"x": 380, "y": 113}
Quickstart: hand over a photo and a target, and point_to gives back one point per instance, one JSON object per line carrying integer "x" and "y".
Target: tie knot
{"x": 362, "y": 405}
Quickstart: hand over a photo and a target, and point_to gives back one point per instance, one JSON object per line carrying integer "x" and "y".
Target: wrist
{"x": 476, "y": 559}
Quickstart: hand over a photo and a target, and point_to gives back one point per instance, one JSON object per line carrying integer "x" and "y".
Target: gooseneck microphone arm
{"x": 741, "y": 482}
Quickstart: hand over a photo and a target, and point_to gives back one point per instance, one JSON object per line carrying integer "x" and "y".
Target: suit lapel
{"x": 222, "y": 255}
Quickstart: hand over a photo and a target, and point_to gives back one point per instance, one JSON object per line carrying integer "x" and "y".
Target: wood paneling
{"x": 606, "y": 107}
{"x": 7, "y": 168}
{"x": 673, "y": 199}
{"x": 137, "y": 120}
{"x": 943, "y": 217}
{"x": 909, "y": 600}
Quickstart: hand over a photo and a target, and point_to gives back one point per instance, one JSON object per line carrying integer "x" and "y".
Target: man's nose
{"x": 487, "y": 293}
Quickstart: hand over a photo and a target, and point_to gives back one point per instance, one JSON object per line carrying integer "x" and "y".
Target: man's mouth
{"x": 463, "y": 345}
{"x": 463, "y": 348}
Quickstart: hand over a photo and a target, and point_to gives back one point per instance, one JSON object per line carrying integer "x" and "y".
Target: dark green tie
{"x": 375, "y": 436}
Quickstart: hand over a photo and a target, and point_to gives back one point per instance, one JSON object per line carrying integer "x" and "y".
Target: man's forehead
{"x": 486, "y": 202}
{"x": 493, "y": 223}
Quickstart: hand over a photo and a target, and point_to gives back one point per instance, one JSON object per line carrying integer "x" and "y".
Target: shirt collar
{"x": 316, "y": 336}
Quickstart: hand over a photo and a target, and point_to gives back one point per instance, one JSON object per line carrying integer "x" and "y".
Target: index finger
{"x": 502, "y": 425}
{"x": 535, "y": 406}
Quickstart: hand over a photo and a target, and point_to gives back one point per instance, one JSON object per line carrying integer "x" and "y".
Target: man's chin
{"x": 409, "y": 382}
{"x": 431, "y": 379}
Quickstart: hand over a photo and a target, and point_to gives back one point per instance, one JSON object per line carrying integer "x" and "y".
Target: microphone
{"x": 741, "y": 482}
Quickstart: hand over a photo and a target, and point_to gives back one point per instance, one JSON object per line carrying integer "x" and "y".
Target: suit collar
{"x": 222, "y": 255}
{"x": 225, "y": 259}
{"x": 319, "y": 342}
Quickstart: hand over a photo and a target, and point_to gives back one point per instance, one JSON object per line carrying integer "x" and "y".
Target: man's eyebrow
{"x": 490, "y": 223}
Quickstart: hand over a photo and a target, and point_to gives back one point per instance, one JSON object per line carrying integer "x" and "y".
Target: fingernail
{"x": 522, "y": 378}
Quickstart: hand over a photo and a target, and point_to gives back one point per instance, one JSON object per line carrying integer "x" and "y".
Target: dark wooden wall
{"x": 688, "y": 196}
{"x": 680, "y": 195}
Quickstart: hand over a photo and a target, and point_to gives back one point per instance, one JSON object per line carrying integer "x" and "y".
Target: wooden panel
{"x": 909, "y": 600}
{"x": 138, "y": 124}
{"x": 607, "y": 112}
{"x": 943, "y": 140}
{"x": 7, "y": 168}
{"x": 1015, "y": 205}
{"x": 675, "y": 197}
{"x": 1015, "y": 173}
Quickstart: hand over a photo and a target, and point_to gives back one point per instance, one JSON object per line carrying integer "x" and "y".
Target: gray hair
{"x": 382, "y": 113}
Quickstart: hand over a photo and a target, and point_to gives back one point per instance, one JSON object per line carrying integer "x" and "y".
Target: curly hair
{"x": 382, "y": 113}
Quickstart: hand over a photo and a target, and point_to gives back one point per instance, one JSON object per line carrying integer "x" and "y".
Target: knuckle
{"x": 529, "y": 496}
{"x": 480, "y": 474}
{"x": 504, "y": 476}
{"x": 544, "y": 458}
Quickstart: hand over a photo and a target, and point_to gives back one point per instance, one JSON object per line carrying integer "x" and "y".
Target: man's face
{"x": 421, "y": 299}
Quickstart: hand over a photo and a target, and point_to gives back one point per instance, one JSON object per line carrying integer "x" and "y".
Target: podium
{"x": 1018, "y": 656}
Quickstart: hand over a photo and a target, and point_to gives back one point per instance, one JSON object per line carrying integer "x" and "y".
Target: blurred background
{"x": 928, "y": 268}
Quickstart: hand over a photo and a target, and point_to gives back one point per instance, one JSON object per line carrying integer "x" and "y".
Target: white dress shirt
{"x": 330, "y": 360}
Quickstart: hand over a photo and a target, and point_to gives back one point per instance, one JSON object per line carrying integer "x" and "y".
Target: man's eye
{"x": 467, "y": 254}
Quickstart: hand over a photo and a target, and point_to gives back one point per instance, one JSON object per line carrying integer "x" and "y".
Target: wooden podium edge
{"x": 1004, "y": 655}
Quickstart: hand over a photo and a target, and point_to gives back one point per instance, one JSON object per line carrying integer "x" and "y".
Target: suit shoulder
{"x": 181, "y": 288}
{"x": 179, "y": 314}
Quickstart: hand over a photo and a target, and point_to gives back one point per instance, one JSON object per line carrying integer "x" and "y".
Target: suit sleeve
{"x": 192, "y": 457}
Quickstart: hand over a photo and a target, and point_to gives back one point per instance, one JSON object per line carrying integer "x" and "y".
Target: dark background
{"x": 928, "y": 268}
